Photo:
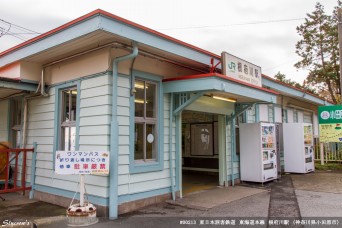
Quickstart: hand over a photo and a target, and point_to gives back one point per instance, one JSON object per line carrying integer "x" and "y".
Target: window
{"x": 307, "y": 117}
{"x": 295, "y": 116}
{"x": 68, "y": 107}
{"x": 270, "y": 113}
{"x": 145, "y": 121}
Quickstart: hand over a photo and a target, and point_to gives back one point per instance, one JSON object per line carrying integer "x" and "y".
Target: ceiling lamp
{"x": 224, "y": 99}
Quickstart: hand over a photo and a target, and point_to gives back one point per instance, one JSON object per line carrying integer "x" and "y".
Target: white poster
{"x": 82, "y": 162}
{"x": 202, "y": 139}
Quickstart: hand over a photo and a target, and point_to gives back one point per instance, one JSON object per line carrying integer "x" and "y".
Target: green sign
{"x": 330, "y": 123}
{"x": 330, "y": 114}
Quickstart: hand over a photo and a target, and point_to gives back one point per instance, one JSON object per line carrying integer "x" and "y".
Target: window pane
{"x": 151, "y": 141}
{"x": 69, "y": 99}
{"x": 65, "y": 138}
{"x": 65, "y": 106}
{"x": 68, "y": 138}
{"x": 73, "y": 104}
{"x": 139, "y": 141}
{"x": 139, "y": 98}
{"x": 72, "y": 138}
{"x": 151, "y": 98}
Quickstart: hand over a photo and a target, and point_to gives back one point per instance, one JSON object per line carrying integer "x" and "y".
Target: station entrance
{"x": 200, "y": 152}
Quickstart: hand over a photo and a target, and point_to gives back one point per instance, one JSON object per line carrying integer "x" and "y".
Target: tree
{"x": 319, "y": 51}
{"x": 282, "y": 77}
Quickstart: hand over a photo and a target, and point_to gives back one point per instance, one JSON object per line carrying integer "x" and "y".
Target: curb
{"x": 49, "y": 220}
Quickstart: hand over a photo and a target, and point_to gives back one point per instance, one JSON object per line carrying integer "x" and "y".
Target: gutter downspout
{"x": 170, "y": 146}
{"x": 114, "y": 126}
{"x": 42, "y": 84}
{"x": 233, "y": 149}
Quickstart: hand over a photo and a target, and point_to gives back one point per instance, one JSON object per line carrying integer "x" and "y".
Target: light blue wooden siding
{"x": 4, "y": 120}
{"x": 95, "y": 112}
{"x": 95, "y": 116}
{"x": 130, "y": 183}
{"x": 94, "y": 133}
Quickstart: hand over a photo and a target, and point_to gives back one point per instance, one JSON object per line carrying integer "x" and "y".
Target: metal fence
{"x": 16, "y": 180}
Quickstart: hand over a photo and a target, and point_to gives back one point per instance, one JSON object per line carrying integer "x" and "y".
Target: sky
{"x": 262, "y": 32}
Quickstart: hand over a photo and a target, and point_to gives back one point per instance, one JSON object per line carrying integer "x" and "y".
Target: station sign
{"x": 241, "y": 70}
{"x": 330, "y": 123}
{"x": 82, "y": 162}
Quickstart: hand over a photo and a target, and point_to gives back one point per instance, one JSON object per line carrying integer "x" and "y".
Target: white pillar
{"x": 322, "y": 153}
{"x": 82, "y": 190}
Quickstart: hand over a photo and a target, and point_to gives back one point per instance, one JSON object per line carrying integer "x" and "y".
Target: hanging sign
{"x": 241, "y": 70}
{"x": 82, "y": 162}
{"x": 330, "y": 123}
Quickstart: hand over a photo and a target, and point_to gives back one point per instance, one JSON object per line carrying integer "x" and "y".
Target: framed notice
{"x": 330, "y": 124}
{"x": 241, "y": 70}
{"x": 82, "y": 162}
{"x": 202, "y": 139}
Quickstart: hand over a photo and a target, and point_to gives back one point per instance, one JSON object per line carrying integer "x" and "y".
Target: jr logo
{"x": 231, "y": 67}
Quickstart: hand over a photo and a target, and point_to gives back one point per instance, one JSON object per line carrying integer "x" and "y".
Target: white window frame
{"x": 148, "y": 121}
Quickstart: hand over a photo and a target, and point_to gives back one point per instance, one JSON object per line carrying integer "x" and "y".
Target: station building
{"x": 164, "y": 109}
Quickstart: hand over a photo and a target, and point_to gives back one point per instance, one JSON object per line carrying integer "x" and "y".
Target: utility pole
{"x": 339, "y": 27}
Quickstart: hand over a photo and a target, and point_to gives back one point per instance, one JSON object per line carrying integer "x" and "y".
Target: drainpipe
{"x": 114, "y": 126}
{"x": 233, "y": 149}
{"x": 42, "y": 84}
{"x": 170, "y": 147}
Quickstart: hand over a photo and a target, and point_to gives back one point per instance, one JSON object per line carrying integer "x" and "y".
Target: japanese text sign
{"x": 82, "y": 162}
{"x": 330, "y": 123}
{"x": 330, "y": 114}
{"x": 241, "y": 70}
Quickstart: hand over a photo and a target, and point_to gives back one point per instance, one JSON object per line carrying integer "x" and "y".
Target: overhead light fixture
{"x": 224, "y": 99}
{"x": 72, "y": 92}
{"x": 139, "y": 101}
{"x": 140, "y": 85}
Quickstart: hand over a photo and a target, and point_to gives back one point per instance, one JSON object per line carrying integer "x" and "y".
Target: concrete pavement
{"x": 310, "y": 196}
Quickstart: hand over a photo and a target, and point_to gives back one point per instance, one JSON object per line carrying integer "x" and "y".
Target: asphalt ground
{"x": 293, "y": 201}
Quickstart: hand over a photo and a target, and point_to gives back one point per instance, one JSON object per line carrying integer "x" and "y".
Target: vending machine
{"x": 298, "y": 148}
{"x": 258, "y": 156}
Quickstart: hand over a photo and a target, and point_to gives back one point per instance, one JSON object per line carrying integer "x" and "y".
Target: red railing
{"x": 11, "y": 158}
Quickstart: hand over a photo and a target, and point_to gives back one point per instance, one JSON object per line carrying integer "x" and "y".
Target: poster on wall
{"x": 202, "y": 139}
{"x": 268, "y": 139}
{"x": 82, "y": 162}
{"x": 308, "y": 135}
{"x": 330, "y": 123}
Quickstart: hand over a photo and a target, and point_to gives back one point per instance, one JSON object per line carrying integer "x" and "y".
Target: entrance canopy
{"x": 221, "y": 86}
{"x": 11, "y": 87}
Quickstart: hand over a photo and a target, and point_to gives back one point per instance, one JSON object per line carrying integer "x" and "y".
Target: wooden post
{"x": 322, "y": 153}
{"x": 339, "y": 29}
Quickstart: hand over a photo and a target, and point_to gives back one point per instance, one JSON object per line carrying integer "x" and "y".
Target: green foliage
{"x": 328, "y": 166}
{"x": 319, "y": 51}
{"x": 282, "y": 77}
